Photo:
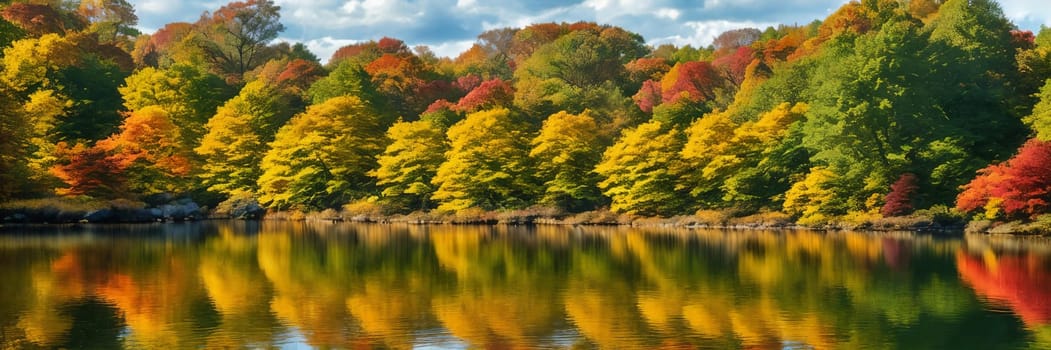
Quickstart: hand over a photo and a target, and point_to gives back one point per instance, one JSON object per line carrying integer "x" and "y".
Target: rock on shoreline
{"x": 177, "y": 210}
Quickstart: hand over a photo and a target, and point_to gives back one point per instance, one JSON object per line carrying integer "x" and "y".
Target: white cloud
{"x": 668, "y": 13}
{"x": 1023, "y": 12}
{"x": 329, "y": 14}
{"x": 451, "y": 49}
{"x": 466, "y": 4}
{"x": 158, "y": 6}
{"x": 322, "y": 47}
{"x": 608, "y": 10}
{"x": 702, "y": 33}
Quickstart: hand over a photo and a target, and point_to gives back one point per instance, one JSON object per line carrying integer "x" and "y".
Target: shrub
{"x": 764, "y": 219}
{"x": 598, "y": 217}
{"x": 899, "y": 201}
{"x": 240, "y": 206}
{"x": 713, "y": 217}
{"x": 369, "y": 207}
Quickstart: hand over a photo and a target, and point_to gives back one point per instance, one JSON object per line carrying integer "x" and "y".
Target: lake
{"x": 230, "y": 284}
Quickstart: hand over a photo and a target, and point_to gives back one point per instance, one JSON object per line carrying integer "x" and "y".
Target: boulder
{"x": 101, "y": 215}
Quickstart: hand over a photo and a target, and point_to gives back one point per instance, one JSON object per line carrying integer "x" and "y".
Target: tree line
{"x": 882, "y": 108}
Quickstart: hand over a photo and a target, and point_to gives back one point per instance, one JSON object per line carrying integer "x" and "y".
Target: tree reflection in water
{"x": 237, "y": 284}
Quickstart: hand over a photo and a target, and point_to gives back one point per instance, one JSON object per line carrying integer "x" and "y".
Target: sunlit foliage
{"x": 487, "y": 165}
{"x": 566, "y": 152}
{"x": 410, "y": 162}
{"x": 638, "y": 171}
{"x": 320, "y": 158}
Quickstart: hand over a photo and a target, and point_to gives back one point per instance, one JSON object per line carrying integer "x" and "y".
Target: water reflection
{"x": 1013, "y": 274}
{"x": 237, "y": 284}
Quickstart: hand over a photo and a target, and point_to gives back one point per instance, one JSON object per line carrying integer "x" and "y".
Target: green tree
{"x": 982, "y": 96}
{"x": 748, "y": 165}
{"x": 92, "y": 87}
{"x": 872, "y": 119}
{"x": 188, "y": 93}
{"x": 238, "y": 135}
{"x": 236, "y": 35}
{"x": 347, "y": 79}
{"x": 321, "y": 158}
{"x": 1040, "y": 119}
{"x": 9, "y": 33}
{"x": 410, "y": 162}
{"x": 14, "y": 130}
{"x": 67, "y": 66}
{"x": 34, "y": 63}
{"x": 559, "y": 74}
{"x": 110, "y": 19}
{"x": 1043, "y": 37}
{"x": 566, "y": 152}
{"x": 638, "y": 171}
{"x": 487, "y": 165}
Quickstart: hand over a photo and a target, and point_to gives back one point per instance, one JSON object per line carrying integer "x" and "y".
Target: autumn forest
{"x": 886, "y": 108}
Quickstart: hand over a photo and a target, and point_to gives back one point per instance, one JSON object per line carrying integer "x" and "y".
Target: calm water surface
{"x": 303, "y": 285}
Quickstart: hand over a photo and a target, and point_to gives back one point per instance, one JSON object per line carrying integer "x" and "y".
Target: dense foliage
{"x": 880, "y": 109}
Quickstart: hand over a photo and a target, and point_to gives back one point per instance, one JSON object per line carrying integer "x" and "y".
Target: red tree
{"x": 1016, "y": 281}
{"x": 1022, "y": 184}
{"x": 392, "y": 46}
{"x": 1023, "y": 39}
{"x": 369, "y": 48}
{"x": 299, "y": 74}
{"x": 439, "y": 106}
{"x": 89, "y": 171}
{"x": 735, "y": 64}
{"x": 649, "y": 96}
{"x": 491, "y": 93}
{"x": 35, "y": 19}
{"x": 695, "y": 81}
{"x": 899, "y": 200}
{"x": 467, "y": 83}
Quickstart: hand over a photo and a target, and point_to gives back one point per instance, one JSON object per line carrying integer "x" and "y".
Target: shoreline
{"x": 65, "y": 212}
{"x": 683, "y": 222}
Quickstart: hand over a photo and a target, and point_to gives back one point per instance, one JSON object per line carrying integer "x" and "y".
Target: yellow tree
{"x": 33, "y": 63}
{"x": 30, "y": 83}
{"x": 43, "y": 111}
{"x": 1040, "y": 119}
{"x": 706, "y": 139}
{"x": 812, "y": 198}
{"x": 237, "y": 137}
{"x": 566, "y": 152}
{"x": 730, "y": 163}
{"x": 639, "y": 171}
{"x": 188, "y": 93}
{"x": 321, "y": 158}
{"x": 487, "y": 165}
{"x": 409, "y": 163}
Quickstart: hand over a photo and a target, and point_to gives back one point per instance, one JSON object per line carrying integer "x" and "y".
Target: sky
{"x": 450, "y": 26}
